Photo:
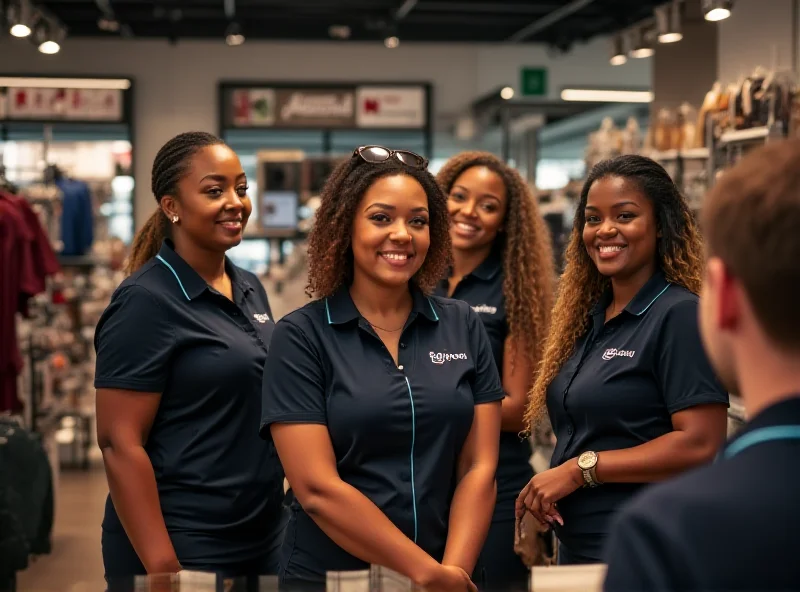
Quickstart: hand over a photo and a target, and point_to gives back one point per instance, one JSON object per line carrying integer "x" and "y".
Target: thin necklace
{"x": 374, "y": 326}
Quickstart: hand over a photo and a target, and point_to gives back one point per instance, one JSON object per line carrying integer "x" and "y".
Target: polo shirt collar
{"x": 644, "y": 299}
{"x": 340, "y": 308}
{"x": 489, "y": 267}
{"x": 188, "y": 280}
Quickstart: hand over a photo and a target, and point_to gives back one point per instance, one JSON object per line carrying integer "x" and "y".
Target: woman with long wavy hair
{"x": 503, "y": 268}
{"x": 624, "y": 379}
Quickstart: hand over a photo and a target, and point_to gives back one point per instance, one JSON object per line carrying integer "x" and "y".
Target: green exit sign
{"x": 534, "y": 82}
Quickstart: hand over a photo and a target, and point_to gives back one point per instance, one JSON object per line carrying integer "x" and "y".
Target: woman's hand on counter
{"x": 540, "y": 495}
{"x": 447, "y": 578}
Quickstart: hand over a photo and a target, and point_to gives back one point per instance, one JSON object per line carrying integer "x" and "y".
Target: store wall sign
{"x": 390, "y": 107}
{"x": 253, "y": 107}
{"x": 70, "y": 104}
{"x": 325, "y": 108}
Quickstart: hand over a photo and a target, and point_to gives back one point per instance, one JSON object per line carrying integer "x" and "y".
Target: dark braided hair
{"x": 679, "y": 254}
{"x": 169, "y": 167}
{"x": 330, "y": 258}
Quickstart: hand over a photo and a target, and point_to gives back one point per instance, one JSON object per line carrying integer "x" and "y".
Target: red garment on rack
{"x": 26, "y": 259}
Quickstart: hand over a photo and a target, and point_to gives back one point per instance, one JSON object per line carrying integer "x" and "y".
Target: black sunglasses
{"x": 378, "y": 154}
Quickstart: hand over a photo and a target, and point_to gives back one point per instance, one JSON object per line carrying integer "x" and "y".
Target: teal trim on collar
{"x": 433, "y": 310}
{"x": 328, "y": 312}
{"x": 175, "y": 273}
{"x": 644, "y": 310}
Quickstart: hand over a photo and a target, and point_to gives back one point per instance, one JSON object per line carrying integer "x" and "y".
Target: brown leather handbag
{"x": 534, "y": 542}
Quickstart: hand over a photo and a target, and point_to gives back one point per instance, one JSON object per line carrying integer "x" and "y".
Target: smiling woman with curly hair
{"x": 383, "y": 402}
{"x": 625, "y": 382}
{"x": 503, "y": 268}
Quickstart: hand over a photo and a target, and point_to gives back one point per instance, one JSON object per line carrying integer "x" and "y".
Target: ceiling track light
{"x": 640, "y": 45}
{"x": 48, "y": 35}
{"x": 618, "y": 56}
{"x": 717, "y": 10}
{"x": 20, "y": 17}
{"x": 668, "y": 22}
{"x": 233, "y": 35}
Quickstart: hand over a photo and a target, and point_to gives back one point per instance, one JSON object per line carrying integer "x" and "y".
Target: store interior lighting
{"x": 391, "y": 42}
{"x": 507, "y": 93}
{"x": 618, "y": 57}
{"x": 717, "y": 10}
{"x": 668, "y": 22}
{"x": 20, "y": 18}
{"x": 640, "y": 46}
{"x": 48, "y": 35}
{"x": 234, "y": 35}
{"x": 81, "y": 83}
{"x": 606, "y": 95}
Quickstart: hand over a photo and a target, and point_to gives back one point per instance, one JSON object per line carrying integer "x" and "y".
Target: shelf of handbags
{"x": 697, "y": 145}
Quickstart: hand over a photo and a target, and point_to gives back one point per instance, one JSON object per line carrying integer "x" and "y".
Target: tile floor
{"x": 75, "y": 564}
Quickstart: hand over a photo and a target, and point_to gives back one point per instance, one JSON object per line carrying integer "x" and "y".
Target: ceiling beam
{"x": 549, "y": 20}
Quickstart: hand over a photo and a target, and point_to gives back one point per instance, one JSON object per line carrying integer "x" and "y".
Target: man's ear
{"x": 727, "y": 293}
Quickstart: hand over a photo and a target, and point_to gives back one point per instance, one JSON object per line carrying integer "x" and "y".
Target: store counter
{"x": 587, "y": 578}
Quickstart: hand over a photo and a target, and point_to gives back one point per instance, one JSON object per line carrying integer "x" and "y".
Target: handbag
{"x": 534, "y": 542}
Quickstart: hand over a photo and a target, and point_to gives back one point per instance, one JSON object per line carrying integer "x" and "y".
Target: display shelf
{"x": 745, "y": 135}
{"x": 690, "y": 154}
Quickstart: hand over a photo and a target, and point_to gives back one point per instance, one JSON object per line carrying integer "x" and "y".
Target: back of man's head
{"x": 751, "y": 221}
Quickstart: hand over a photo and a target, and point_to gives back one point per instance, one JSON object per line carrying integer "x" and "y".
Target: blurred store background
{"x": 90, "y": 89}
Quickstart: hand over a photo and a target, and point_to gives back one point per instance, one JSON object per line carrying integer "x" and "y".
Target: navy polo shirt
{"x": 397, "y": 431}
{"x": 729, "y": 526}
{"x": 619, "y": 389}
{"x": 167, "y": 331}
{"x": 483, "y": 291}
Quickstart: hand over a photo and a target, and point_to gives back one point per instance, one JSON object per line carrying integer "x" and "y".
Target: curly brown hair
{"x": 528, "y": 266}
{"x": 680, "y": 254}
{"x": 330, "y": 258}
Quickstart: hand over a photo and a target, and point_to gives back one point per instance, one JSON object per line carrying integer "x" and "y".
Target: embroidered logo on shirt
{"x": 485, "y": 309}
{"x": 442, "y": 358}
{"x": 261, "y": 318}
{"x": 617, "y": 353}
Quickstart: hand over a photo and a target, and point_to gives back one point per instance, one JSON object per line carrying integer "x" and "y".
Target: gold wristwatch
{"x": 587, "y": 462}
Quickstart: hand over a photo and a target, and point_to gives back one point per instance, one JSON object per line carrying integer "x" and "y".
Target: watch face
{"x": 587, "y": 460}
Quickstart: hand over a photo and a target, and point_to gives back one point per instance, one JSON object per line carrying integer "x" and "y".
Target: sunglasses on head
{"x": 378, "y": 154}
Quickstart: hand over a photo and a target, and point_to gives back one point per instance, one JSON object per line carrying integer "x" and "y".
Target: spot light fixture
{"x": 20, "y": 18}
{"x": 507, "y": 93}
{"x": 668, "y": 22}
{"x": 233, "y": 35}
{"x": 640, "y": 46}
{"x": 48, "y": 35}
{"x": 391, "y": 42}
{"x": 717, "y": 10}
{"x": 618, "y": 57}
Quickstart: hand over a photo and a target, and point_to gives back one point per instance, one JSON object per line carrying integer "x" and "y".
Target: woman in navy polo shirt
{"x": 629, "y": 391}
{"x": 180, "y": 355}
{"x": 503, "y": 268}
{"x": 383, "y": 402}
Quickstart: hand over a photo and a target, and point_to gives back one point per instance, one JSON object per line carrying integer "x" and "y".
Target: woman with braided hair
{"x": 624, "y": 379}
{"x": 180, "y": 356}
{"x": 503, "y": 268}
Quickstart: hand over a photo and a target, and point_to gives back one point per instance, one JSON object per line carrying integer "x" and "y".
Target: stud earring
{"x": 174, "y": 219}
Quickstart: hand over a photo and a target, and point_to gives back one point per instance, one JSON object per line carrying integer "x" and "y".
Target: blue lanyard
{"x": 784, "y": 432}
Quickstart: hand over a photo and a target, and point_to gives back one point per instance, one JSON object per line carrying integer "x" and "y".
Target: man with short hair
{"x": 734, "y": 525}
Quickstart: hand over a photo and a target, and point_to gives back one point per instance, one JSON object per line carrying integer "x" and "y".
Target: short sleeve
{"x": 486, "y": 384}
{"x": 683, "y": 370}
{"x": 134, "y": 341}
{"x": 293, "y": 389}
